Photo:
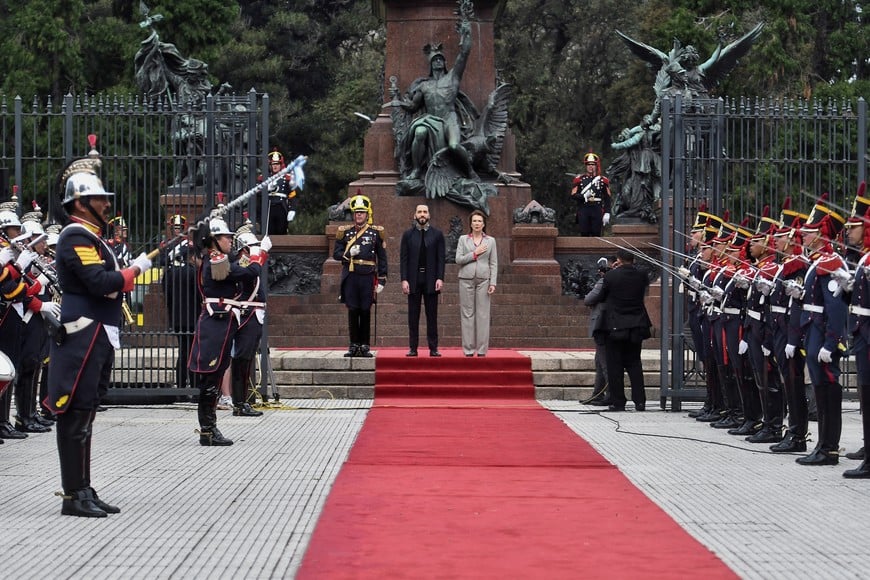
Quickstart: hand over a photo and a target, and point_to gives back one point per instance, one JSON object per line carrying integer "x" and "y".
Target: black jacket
{"x": 409, "y": 252}
{"x": 624, "y": 291}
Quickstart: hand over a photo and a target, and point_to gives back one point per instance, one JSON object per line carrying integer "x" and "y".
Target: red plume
{"x": 786, "y": 204}
{"x": 358, "y": 191}
{"x": 824, "y": 197}
{"x": 703, "y": 206}
{"x": 726, "y": 217}
{"x": 766, "y": 212}
{"x": 245, "y": 215}
{"x": 14, "y": 191}
{"x": 861, "y": 188}
{"x": 745, "y": 222}
{"x": 92, "y": 141}
{"x": 220, "y": 197}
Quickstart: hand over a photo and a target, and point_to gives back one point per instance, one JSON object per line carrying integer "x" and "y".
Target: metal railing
{"x": 745, "y": 154}
{"x": 158, "y": 160}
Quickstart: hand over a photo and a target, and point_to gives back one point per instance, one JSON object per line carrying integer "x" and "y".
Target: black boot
{"x": 25, "y": 403}
{"x": 820, "y": 457}
{"x": 790, "y": 444}
{"x": 109, "y": 509}
{"x": 353, "y": 331}
{"x": 72, "y": 434}
{"x": 364, "y": 351}
{"x": 352, "y": 350}
{"x": 859, "y": 455}
{"x": 241, "y": 372}
{"x": 209, "y": 436}
{"x": 7, "y": 431}
{"x": 765, "y": 435}
{"x": 860, "y": 472}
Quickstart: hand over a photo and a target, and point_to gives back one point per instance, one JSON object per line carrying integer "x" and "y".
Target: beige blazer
{"x": 486, "y": 264}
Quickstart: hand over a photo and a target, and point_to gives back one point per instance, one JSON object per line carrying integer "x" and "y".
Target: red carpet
{"x": 491, "y": 487}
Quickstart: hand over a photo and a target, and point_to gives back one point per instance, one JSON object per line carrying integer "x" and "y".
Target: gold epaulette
{"x": 342, "y": 229}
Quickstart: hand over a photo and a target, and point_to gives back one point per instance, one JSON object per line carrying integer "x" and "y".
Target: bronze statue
{"x": 636, "y": 172}
{"x": 443, "y": 144}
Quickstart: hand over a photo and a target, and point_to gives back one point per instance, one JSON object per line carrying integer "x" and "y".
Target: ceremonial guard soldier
{"x": 823, "y": 323}
{"x": 859, "y": 320}
{"x": 757, "y": 337}
{"x": 361, "y": 249}
{"x": 117, "y": 239}
{"x": 15, "y": 298}
{"x": 183, "y": 299}
{"x": 34, "y": 336}
{"x": 591, "y": 191}
{"x": 252, "y": 314}
{"x": 784, "y": 322}
{"x": 704, "y": 229}
{"x": 82, "y": 355}
{"x": 221, "y": 284}
{"x": 282, "y": 197}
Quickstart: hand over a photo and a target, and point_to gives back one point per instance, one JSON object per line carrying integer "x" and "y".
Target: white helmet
{"x": 33, "y": 228}
{"x": 51, "y": 238}
{"x": 9, "y": 219}
{"x": 246, "y": 239}
{"x": 218, "y": 227}
{"x": 83, "y": 184}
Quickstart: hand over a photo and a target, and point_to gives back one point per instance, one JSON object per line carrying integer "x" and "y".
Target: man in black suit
{"x": 422, "y": 269}
{"x": 628, "y": 324}
{"x": 183, "y": 303}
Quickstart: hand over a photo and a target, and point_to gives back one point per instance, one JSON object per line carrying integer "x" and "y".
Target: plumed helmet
{"x": 218, "y": 227}
{"x": 859, "y": 208}
{"x": 178, "y": 220}
{"x": 118, "y": 222}
{"x": 80, "y": 177}
{"x": 824, "y": 219}
{"x": 593, "y": 158}
{"x": 9, "y": 219}
{"x": 51, "y": 238}
{"x": 276, "y": 156}
{"x": 244, "y": 237}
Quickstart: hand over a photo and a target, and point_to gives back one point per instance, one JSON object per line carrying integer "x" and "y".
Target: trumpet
{"x": 128, "y": 313}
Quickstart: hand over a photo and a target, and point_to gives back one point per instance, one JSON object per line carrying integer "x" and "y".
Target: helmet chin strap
{"x": 99, "y": 220}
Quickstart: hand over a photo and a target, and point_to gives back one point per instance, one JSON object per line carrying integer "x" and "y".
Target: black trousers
{"x": 430, "y": 302}
{"x": 624, "y": 356}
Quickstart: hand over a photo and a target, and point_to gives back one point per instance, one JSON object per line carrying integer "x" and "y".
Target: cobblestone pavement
{"x": 248, "y": 511}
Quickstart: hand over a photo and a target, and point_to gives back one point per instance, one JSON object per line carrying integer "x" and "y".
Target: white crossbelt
{"x": 814, "y": 308}
{"x": 731, "y": 311}
{"x": 753, "y": 314}
{"x": 859, "y": 310}
{"x": 778, "y": 309}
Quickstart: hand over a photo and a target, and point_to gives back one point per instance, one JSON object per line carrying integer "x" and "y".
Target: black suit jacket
{"x": 624, "y": 290}
{"x": 409, "y": 258}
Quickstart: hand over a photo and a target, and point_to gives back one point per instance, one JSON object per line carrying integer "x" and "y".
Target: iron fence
{"x": 741, "y": 155}
{"x": 159, "y": 161}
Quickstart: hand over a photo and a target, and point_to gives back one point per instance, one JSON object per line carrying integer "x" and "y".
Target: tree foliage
{"x": 576, "y": 85}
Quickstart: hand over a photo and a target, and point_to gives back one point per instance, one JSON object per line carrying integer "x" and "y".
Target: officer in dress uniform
{"x": 757, "y": 337}
{"x": 252, "y": 309}
{"x": 221, "y": 285}
{"x": 282, "y": 197}
{"x": 183, "y": 301}
{"x": 591, "y": 191}
{"x": 784, "y": 324}
{"x": 16, "y": 298}
{"x": 80, "y": 369}
{"x": 823, "y": 323}
{"x": 117, "y": 239}
{"x": 858, "y": 285}
{"x": 361, "y": 249}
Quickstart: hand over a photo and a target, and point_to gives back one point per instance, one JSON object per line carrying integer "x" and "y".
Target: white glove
{"x": 764, "y": 285}
{"x": 717, "y": 292}
{"x": 266, "y": 243}
{"x": 705, "y": 297}
{"x": 789, "y": 350}
{"x": 825, "y": 355}
{"x": 793, "y": 289}
{"x": 354, "y": 250}
{"x": 142, "y": 262}
{"x": 25, "y": 258}
{"x": 379, "y": 288}
{"x": 605, "y": 219}
{"x": 255, "y": 250}
{"x": 765, "y": 351}
{"x": 741, "y": 281}
{"x": 7, "y": 254}
{"x": 291, "y": 215}
{"x": 684, "y": 272}
{"x": 742, "y": 347}
{"x": 53, "y": 308}
{"x": 844, "y": 278}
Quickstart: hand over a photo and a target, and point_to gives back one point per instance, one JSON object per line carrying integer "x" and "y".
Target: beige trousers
{"x": 474, "y": 304}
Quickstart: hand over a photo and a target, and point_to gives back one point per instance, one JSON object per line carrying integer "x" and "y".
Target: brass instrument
{"x": 128, "y": 313}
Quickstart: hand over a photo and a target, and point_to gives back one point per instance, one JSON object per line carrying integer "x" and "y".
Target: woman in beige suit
{"x": 477, "y": 258}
